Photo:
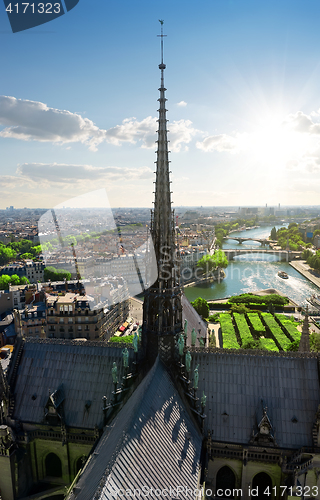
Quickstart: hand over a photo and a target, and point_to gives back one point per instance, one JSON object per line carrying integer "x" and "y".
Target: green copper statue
{"x": 196, "y": 377}
{"x": 203, "y": 400}
{"x": 114, "y": 373}
{"x": 188, "y": 361}
{"x": 181, "y": 344}
{"x": 193, "y": 337}
{"x": 125, "y": 355}
{"x": 135, "y": 341}
{"x": 201, "y": 340}
{"x": 185, "y": 327}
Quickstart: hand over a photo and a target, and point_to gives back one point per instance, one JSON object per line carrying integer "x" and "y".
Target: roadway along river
{"x": 252, "y": 272}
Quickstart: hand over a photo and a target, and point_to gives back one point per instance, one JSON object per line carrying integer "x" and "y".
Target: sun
{"x": 274, "y": 144}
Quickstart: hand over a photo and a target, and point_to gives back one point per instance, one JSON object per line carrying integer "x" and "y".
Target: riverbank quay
{"x": 215, "y": 277}
{"x": 303, "y": 268}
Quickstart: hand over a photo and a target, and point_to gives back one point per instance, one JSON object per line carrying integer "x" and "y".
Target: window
{"x": 53, "y": 465}
{"x": 226, "y": 480}
{"x": 79, "y": 328}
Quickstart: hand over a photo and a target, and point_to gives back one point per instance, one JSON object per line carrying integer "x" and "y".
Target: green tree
{"x": 4, "y": 282}
{"x": 6, "y": 254}
{"x": 27, "y": 256}
{"x": 315, "y": 341}
{"x": 273, "y": 234}
{"x": 53, "y": 274}
{"x": 202, "y": 307}
{"x": 209, "y": 263}
{"x": 220, "y": 259}
{"x": 36, "y": 250}
{"x": 24, "y": 280}
{"x": 15, "y": 280}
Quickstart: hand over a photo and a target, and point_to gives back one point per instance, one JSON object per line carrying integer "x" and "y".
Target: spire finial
{"x": 161, "y": 65}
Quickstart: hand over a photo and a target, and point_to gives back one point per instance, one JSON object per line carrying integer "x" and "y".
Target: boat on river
{"x": 283, "y": 275}
{"x": 314, "y": 300}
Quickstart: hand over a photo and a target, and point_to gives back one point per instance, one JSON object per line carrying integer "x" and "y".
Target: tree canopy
{"x": 5, "y": 280}
{"x": 209, "y": 263}
{"x": 202, "y": 307}
{"x": 53, "y": 274}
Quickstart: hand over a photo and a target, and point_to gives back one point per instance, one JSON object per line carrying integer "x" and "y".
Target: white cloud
{"x": 131, "y": 130}
{"x": 68, "y": 174}
{"x": 182, "y": 104}
{"x": 32, "y": 120}
{"x": 303, "y": 123}
{"x": 181, "y": 132}
{"x": 222, "y": 142}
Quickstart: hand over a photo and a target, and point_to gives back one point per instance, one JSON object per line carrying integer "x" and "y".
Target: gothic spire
{"x": 163, "y": 222}
{"x": 162, "y": 310}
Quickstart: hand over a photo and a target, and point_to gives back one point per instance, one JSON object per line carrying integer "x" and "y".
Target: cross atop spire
{"x": 162, "y": 66}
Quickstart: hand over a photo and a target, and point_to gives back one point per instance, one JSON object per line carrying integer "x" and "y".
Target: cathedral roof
{"x": 238, "y": 386}
{"x": 83, "y": 369}
{"x": 152, "y": 443}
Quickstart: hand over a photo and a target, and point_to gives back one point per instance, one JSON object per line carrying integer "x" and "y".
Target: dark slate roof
{"x": 84, "y": 370}
{"x": 237, "y": 387}
{"x": 148, "y": 445}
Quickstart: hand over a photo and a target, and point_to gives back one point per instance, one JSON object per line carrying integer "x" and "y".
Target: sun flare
{"x": 276, "y": 144}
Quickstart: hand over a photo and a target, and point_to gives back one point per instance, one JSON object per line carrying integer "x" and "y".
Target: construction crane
{"x": 76, "y": 262}
{"x": 55, "y": 220}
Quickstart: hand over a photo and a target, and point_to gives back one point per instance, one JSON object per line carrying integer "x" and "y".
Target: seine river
{"x": 252, "y": 272}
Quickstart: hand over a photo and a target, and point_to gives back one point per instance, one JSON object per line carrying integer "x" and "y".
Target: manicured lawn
{"x": 279, "y": 337}
{"x": 268, "y": 344}
{"x": 256, "y": 323}
{"x": 228, "y": 334}
{"x": 289, "y": 327}
{"x": 243, "y": 329}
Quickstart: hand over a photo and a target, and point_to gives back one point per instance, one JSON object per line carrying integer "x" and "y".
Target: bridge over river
{"x": 283, "y": 255}
{"x": 263, "y": 241}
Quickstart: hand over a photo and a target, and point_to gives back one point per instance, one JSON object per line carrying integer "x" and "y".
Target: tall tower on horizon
{"x": 162, "y": 310}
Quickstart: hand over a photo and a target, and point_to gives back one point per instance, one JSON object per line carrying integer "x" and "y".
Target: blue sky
{"x": 78, "y": 99}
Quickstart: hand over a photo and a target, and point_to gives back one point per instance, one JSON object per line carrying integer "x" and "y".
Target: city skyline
{"x": 78, "y": 102}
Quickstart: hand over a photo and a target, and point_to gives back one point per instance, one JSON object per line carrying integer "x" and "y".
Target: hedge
{"x": 268, "y": 344}
{"x": 229, "y": 338}
{"x": 128, "y": 339}
{"x": 251, "y": 298}
{"x": 243, "y": 329}
{"x": 256, "y": 323}
{"x": 289, "y": 327}
{"x": 280, "y": 338}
